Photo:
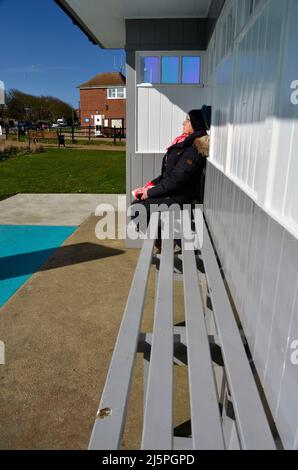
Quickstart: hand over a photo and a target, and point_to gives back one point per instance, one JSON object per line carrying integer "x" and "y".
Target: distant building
{"x": 103, "y": 100}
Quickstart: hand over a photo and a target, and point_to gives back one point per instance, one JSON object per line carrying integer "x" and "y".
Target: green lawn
{"x": 64, "y": 171}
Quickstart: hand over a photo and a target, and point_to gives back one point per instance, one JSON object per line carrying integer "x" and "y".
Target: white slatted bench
{"x": 226, "y": 410}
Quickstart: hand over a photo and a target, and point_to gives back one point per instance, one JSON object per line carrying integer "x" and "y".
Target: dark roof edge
{"x": 83, "y": 85}
{"x": 215, "y": 8}
{"x": 213, "y": 15}
{"x": 78, "y": 22}
{"x": 100, "y": 86}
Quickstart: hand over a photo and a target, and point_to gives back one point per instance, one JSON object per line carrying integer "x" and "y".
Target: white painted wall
{"x": 260, "y": 259}
{"x": 160, "y": 118}
{"x": 161, "y": 109}
{"x": 251, "y": 199}
{"x": 255, "y": 126}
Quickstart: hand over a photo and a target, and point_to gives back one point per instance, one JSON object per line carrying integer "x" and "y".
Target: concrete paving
{"x": 59, "y": 331}
{"x": 53, "y": 209}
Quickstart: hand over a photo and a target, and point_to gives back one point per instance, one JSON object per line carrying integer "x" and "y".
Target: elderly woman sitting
{"x": 182, "y": 165}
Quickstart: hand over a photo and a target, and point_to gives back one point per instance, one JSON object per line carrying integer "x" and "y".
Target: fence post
{"x": 89, "y": 136}
{"x": 115, "y": 135}
{"x": 120, "y": 134}
{"x": 19, "y": 134}
{"x": 6, "y": 132}
{"x": 72, "y": 133}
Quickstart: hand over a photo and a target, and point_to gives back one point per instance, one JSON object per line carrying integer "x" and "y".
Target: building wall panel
{"x": 251, "y": 189}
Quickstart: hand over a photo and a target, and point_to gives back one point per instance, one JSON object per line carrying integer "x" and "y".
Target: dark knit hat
{"x": 200, "y": 118}
{"x": 197, "y": 120}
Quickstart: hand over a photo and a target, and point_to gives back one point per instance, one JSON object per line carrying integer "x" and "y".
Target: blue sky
{"x": 43, "y": 53}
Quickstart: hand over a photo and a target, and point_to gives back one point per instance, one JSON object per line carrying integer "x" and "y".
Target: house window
{"x": 191, "y": 69}
{"x": 116, "y": 93}
{"x": 150, "y": 69}
{"x": 170, "y": 69}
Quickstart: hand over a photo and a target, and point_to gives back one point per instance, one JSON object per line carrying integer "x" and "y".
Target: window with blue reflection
{"x": 150, "y": 69}
{"x": 191, "y": 69}
{"x": 170, "y": 70}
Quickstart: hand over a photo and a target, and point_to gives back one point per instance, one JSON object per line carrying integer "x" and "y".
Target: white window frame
{"x": 200, "y": 54}
{"x": 116, "y": 97}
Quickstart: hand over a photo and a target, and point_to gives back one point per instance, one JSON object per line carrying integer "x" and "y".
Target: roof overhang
{"x": 103, "y": 21}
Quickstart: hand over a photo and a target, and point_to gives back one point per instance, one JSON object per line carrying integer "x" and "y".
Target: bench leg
{"x": 229, "y": 429}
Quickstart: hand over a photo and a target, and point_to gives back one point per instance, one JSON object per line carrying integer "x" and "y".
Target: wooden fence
{"x": 71, "y": 134}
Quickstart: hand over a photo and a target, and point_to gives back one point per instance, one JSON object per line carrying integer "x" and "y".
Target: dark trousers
{"x": 159, "y": 204}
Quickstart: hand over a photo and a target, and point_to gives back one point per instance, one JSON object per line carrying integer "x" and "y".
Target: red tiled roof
{"x": 105, "y": 79}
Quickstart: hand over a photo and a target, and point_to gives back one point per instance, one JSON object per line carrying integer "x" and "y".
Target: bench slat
{"x": 107, "y": 430}
{"x": 252, "y": 424}
{"x": 205, "y": 416}
{"x": 158, "y": 413}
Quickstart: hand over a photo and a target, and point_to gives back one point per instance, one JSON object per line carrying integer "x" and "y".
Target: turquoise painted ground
{"x": 23, "y": 249}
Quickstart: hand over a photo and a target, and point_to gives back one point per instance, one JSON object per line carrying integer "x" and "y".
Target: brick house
{"x": 103, "y": 100}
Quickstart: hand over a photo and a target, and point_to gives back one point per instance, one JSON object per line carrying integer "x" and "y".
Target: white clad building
{"x": 240, "y": 56}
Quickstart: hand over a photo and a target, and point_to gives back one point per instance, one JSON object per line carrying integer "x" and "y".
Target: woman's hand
{"x": 145, "y": 194}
